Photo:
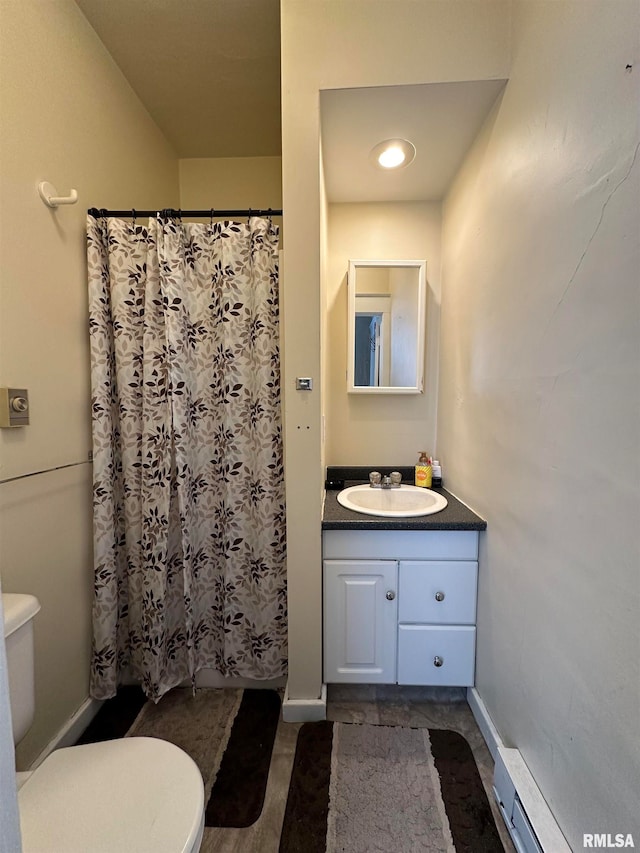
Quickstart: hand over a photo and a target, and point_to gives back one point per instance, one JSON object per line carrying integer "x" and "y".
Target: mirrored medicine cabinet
{"x": 386, "y": 326}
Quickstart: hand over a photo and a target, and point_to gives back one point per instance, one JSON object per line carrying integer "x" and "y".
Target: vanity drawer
{"x": 430, "y": 654}
{"x": 441, "y": 592}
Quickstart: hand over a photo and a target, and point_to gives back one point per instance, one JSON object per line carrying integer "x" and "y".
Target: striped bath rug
{"x": 363, "y": 788}
{"x": 230, "y": 735}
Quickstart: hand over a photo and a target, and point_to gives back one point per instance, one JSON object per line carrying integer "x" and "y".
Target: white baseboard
{"x": 484, "y": 721}
{"x": 304, "y": 710}
{"x": 72, "y": 729}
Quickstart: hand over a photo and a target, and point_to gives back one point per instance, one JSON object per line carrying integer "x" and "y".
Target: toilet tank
{"x": 19, "y": 611}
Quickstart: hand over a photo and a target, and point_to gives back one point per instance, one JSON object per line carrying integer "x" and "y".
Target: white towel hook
{"x": 49, "y": 195}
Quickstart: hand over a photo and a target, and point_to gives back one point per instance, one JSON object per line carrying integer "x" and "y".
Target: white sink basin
{"x": 403, "y": 502}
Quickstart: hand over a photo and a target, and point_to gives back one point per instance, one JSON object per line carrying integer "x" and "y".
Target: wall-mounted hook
{"x": 49, "y": 195}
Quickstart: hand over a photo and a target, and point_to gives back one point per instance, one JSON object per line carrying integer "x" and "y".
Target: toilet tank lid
{"x": 18, "y": 609}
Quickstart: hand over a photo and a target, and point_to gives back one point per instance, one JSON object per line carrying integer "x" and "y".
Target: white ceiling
{"x": 440, "y": 119}
{"x": 208, "y": 71}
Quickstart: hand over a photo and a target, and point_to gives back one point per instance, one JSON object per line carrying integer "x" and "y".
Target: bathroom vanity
{"x": 400, "y": 596}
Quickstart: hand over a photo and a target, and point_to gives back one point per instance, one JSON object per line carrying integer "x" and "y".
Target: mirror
{"x": 387, "y": 307}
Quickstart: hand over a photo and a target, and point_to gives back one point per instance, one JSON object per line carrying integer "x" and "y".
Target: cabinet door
{"x": 360, "y": 621}
{"x": 440, "y": 592}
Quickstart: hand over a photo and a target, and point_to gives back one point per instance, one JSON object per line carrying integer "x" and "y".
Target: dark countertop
{"x": 455, "y": 516}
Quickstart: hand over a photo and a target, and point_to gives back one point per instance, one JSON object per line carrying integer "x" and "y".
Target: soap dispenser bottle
{"x": 423, "y": 471}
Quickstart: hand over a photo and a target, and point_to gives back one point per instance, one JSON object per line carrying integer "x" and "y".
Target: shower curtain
{"x": 188, "y": 499}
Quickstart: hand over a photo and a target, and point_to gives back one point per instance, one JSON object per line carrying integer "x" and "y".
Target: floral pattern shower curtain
{"x": 189, "y": 519}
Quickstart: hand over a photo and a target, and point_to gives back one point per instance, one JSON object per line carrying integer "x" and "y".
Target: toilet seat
{"x": 131, "y": 795}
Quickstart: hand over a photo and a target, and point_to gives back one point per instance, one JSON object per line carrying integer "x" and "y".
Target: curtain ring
{"x": 133, "y": 216}
{"x": 211, "y": 217}
{"x": 249, "y": 216}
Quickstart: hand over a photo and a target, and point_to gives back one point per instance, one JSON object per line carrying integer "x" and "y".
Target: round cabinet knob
{"x": 438, "y": 661}
{"x": 390, "y": 595}
{"x": 19, "y": 404}
{"x": 439, "y": 596}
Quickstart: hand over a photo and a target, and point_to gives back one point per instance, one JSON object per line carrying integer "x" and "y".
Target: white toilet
{"x": 122, "y": 796}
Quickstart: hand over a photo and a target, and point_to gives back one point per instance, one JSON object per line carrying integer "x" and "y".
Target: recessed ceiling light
{"x": 393, "y": 154}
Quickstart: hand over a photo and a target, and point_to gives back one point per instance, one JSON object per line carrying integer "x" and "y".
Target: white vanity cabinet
{"x": 400, "y": 606}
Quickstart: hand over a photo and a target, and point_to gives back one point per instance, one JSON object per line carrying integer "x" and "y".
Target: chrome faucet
{"x": 388, "y": 481}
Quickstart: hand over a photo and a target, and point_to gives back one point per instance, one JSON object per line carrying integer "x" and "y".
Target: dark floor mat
{"x": 116, "y": 716}
{"x": 359, "y": 787}
{"x": 238, "y": 793}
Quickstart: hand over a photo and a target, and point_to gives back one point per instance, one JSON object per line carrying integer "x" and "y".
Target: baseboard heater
{"x": 532, "y": 827}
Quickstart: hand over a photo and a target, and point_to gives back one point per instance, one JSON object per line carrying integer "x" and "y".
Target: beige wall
{"x": 231, "y": 182}
{"x": 538, "y": 422}
{"x": 362, "y": 429}
{"x": 66, "y": 116}
{"x": 333, "y": 44}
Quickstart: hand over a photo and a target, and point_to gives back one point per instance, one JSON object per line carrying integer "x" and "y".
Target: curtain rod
{"x": 171, "y": 212}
